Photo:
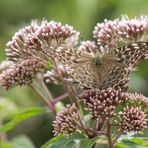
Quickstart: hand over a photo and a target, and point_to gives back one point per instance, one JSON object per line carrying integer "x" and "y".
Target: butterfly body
{"x": 97, "y": 60}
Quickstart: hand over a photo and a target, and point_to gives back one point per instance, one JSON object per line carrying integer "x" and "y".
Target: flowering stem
{"x": 46, "y": 90}
{"x": 117, "y": 137}
{"x": 109, "y": 136}
{"x": 61, "y": 97}
{"x": 47, "y": 102}
{"x": 82, "y": 125}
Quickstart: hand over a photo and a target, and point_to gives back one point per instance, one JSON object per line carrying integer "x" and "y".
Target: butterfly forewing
{"x": 66, "y": 55}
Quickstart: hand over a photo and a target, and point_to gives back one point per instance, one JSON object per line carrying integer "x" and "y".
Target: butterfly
{"x": 102, "y": 70}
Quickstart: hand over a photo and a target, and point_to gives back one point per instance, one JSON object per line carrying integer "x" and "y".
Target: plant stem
{"x": 40, "y": 83}
{"x": 47, "y": 102}
{"x": 60, "y": 97}
{"x": 109, "y": 136}
{"x": 117, "y": 137}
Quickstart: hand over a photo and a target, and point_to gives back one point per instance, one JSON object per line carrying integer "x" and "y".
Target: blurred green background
{"x": 83, "y": 15}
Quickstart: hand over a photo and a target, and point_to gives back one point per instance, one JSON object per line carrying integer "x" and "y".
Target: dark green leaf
{"x": 62, "y": 141}
{"x": 52, "y": 141}
{"x": 70, "y": 144}
{"x": 20, "y": 117}
{"x": 90, "y": 142}
{"x": 81, "y": 143}
{"x": 76, "y": 136}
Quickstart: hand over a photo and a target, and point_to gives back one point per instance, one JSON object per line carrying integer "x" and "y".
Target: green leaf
{"x": 120, "y": 145}
{"x": 59, "y": 105}
{"x": 5, "y": 111}
{"x": 70, "y": 144}
{"x": 91, "y": 142}
{"x": 77, "y": 136}
{"x": 76, "y": 140}
{"x": 4, "y": 144}
{"x": 62, "y": 141}
{"x": 52, "y": 141}
{"x": 20, "y": 117}
{"x": 49, "y": 65}
{"x": 133, "y": 142}
{"x": 22, "y": 142}
{"x": 81, "y": 143}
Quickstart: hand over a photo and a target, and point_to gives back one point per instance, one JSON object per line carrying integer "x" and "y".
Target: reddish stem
{"x": 47, "y": 102}
{"x": 60, "y": 97}
{"x": 109, "y": 136}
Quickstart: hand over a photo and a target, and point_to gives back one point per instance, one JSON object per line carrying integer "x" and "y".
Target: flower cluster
{"x": 34, "y": 42}
{"x": 100, "y": 69}
{"x": 133, "y": 120}
{"x": 21, "y": 74}
{"x": 136, "y": 99}
{"x": 110, "y": 33}
{"x": 88, "y": 46}
{"x": 66, "y": 121}
{"x": 102, "y": 103}
{"x": 51, "y": 76}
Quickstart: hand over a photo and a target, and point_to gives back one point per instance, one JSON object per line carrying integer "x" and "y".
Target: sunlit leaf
{"x": 133, "y": 142}
{"x": 49, "y": 66}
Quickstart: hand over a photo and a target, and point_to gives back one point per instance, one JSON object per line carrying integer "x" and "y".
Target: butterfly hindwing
{"x": 131, "y": 53}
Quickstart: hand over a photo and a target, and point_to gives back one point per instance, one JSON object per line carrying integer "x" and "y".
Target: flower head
{"x": 110, "y": 34}
{"x": 105, "y": 34}
{"x": 21, "y": 74}
{"x": 36, "y": 40}
{"x": 102, "y": 103}
{"x": 54, "y": 33}
{"x": 52, "y": 76}
{"x": 136, "y": 99}
{"x": 133, "y": 120}
{"x": 88, "y": 46}
{"x": 66, "y": 121}
{"x": 16, "y": 47}
{"x": 132, "y": 29}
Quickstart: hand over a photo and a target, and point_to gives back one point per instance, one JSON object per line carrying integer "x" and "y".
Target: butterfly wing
{"x": 65, "y": 56}
{"x": 128, "y": 57}
{"x": 85, "y": 76}
{"x": 117, "y": 78}
{"x": 132, "y": 53}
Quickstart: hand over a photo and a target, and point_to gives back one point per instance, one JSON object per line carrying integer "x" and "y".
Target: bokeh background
{"x": 83, "y": 15}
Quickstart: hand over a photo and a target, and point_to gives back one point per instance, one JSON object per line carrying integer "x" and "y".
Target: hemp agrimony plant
{"x": 95, "y": 75}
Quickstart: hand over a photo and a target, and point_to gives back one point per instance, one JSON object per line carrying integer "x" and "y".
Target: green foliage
{"x": 132, "y": 142}
{"x": 59, "y": 105}
{"x": 20, "y": 117}
{"x": 49, "y": 66}
{"x": 18, "y": 142}
{"x": 5, "y": 111}
{"x": 77, "y": 140}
